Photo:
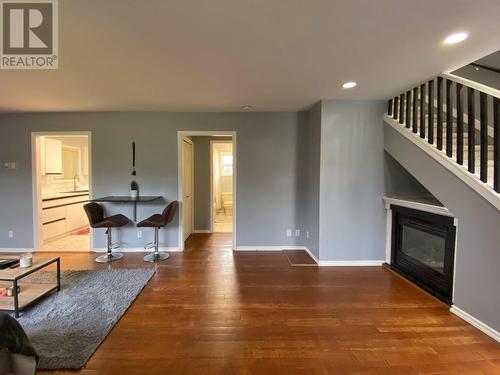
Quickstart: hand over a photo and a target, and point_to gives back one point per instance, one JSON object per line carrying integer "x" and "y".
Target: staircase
{"x": 446, "y": 133}
{"x": 460, "y": 119}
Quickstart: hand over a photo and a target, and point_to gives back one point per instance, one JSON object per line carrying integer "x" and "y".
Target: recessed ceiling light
{"x": 456, "y": 38}
{"x": 246, "y": 108}
{"x": 349, "y": 85}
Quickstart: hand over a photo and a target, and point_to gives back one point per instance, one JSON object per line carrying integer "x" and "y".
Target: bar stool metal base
{"x": 156, "y": 257}
{"x": 109, "y": 257}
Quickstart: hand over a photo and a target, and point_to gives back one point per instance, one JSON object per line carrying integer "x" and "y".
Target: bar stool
{"x": 95, "y": 214}
{"x": 158, "y": 221}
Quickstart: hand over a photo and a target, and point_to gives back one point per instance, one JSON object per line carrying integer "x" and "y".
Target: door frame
{"x": 212, "y": 180}
{"x": 180, "y": 190}
{"x": 36, "y": 185}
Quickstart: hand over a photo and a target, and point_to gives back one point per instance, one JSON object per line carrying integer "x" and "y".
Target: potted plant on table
{"x": 134, "y": 189}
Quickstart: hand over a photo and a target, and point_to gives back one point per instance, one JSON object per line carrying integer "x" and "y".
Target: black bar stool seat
{"x": 95, "y": 214}
{"x": 158, "y": 221}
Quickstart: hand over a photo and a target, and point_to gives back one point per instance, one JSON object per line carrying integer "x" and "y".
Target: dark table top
{"x": 127, "y": 199}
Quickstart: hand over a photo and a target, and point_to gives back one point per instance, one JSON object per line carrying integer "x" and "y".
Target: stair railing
{"x": 436, "y": 109}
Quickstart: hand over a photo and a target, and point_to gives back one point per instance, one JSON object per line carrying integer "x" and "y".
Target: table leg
{"x": 135, "y": 211}
{"x": 58, "y": 274}
{"x": 16, "y": 299}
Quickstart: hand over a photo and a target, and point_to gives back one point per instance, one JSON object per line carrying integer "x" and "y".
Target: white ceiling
{"x": 218, "y": 55}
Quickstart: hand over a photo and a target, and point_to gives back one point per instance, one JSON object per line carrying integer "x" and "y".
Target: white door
{"x": 187, "y": 184}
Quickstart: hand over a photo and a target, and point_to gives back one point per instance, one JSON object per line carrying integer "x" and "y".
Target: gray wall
{"x": 352, "y": 215}
{"x": 201, "y": 151}
{"x": 266, "y": 151}
{"x": 399, "y": 182}
{"x": 478, "y": 237}
{"x": 308, "y": 178}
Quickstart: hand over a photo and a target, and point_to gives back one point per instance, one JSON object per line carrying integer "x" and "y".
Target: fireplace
{"x": 423, "y": 249}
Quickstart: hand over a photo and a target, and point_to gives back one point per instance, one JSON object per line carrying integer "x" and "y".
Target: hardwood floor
{"x": 212, "y": 311}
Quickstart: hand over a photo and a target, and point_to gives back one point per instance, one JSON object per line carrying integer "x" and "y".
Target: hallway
{"x": 210, "y": 310}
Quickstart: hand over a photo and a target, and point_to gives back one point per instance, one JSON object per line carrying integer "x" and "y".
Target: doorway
{"x": 221, "y": 177}
{"x": 61, "y": 171}
{"x": 196, "y": 186}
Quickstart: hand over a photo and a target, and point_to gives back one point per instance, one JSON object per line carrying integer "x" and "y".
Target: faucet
{"x": 76, "y": 178}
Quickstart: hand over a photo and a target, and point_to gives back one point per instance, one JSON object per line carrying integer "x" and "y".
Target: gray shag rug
{"x": 66, "y": 327}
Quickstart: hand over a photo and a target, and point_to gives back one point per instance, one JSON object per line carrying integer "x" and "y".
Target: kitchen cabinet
{"x": 61, "y": 216}
{"x": 53, "y": 229}
{"x": 75, "y": 217}
{"x": 52, "y": 160}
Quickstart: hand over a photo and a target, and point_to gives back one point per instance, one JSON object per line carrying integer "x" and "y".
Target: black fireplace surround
{"x": 423, "y": 249}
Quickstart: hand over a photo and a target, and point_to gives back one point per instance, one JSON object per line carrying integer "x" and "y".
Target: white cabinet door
{"x": 53, "y": 156}
{"x": 53, "y": 229}
{"x": 75, "y": 217}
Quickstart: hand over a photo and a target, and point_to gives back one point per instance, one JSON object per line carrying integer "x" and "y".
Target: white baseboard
{"x": 311, "y": 255}
{"x": 321, "y": 263}
{"x": 15, "y": 250}
{"x": 351, "y": 263}
{"x": 136, "y": 250}
{"x": 476, "y": 322}
{"x": 260, "y": 248}
{"x": 202, "y": 231}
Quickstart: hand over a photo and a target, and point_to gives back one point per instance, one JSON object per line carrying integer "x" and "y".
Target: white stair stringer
{"x": 471, "y": 179}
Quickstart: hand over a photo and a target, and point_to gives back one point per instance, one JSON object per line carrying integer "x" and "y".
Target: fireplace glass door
{"x": 426, "y": 248}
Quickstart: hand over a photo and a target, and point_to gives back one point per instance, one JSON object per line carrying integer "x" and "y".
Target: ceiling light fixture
{"x": 456, "y": 38}
{"x": 246, "y": 108}
{"x": 349, "y": 85}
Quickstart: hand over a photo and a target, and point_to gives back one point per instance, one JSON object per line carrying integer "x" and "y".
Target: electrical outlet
{"x": 289, "y": 233}
{"x": 297, "y": 232}
{"x": 139, "y": 234}
{"x": 11, "y": 233}
{"x": 307, "y": 234}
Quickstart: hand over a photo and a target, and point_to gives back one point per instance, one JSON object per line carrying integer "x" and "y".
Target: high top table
{"x": 127, "y": 199}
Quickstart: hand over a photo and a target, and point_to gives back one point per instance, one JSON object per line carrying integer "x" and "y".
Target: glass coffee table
{"x": 30, "y": 293}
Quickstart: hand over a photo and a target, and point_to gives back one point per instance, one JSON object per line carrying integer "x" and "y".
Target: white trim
{"x": 460, "y": 171}
{"x": 16, "y": 250}
{"x": 202, "y": 231}
{"x": 311, "y": 255}
{"x": 475, "y": 85}
{"x": 351, "y": 263}
{"x": 274, "y": 248}
{"x": 36, "y": 187}
{"x": 180, "y": 136}
{"x": 211, "y": 187}
{"x": 388, "y": 234}
{"x": 455, "y": 257}
{"x": 483, "y": 327}
{"x": 321, "y": 263}
{"x": 137, "y": 249}
{"x": 440, "y": 210}
{"x": 262, "y": 248}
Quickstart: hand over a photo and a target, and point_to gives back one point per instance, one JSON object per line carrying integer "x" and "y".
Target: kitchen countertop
{"x": 51, "y": 196}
